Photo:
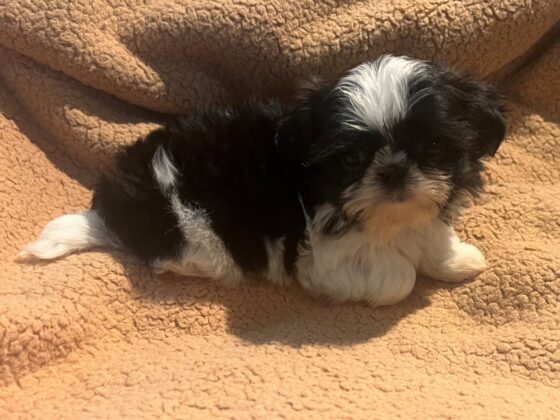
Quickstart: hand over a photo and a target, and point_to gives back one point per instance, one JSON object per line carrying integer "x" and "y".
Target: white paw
{"x": 465, "y": 262}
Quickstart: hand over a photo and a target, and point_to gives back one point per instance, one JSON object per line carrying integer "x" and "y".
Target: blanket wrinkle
{"x": 97, "y": 335}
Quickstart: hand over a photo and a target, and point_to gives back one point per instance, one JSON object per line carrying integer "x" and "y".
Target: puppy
{"x": 351, "y": 193}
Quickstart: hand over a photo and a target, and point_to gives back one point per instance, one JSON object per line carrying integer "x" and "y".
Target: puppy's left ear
{"x": 483, "y": 108}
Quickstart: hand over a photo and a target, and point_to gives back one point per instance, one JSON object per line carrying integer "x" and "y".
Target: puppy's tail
{"x": 69, "y": 233}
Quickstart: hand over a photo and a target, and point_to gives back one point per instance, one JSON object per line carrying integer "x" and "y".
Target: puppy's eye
{"x": 432, "y": 147}
{"x": 353, "y": 158}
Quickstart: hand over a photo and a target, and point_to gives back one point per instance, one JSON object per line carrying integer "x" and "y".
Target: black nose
{"x": 393, "y": 176}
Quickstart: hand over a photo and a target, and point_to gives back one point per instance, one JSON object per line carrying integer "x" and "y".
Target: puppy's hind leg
{"x": 70, "y": 233}
{"x": 197, "y": 260}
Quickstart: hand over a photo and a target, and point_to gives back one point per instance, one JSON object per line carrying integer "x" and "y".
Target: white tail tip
{"x": 67, "y": 234}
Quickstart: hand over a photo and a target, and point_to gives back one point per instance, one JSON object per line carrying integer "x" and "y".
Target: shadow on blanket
{"x": 81, "y": 162}
{"x": 260, "y": 313}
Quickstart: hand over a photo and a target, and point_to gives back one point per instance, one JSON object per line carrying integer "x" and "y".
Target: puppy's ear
{"x": 481, "y": 105}
{"x": 309, "y": 87}
{"x": 296, "y": 131}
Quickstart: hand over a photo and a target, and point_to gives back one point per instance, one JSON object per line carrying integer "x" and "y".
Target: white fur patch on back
{"x": 377, "y": 92}
{"x": 204, "y": 254}
{"x": 165, "y": 172}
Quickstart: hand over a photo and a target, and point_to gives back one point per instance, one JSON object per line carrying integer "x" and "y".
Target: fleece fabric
{"x": 97, "y": 336}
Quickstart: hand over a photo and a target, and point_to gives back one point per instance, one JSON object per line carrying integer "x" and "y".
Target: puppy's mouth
{"x": 398, "y": 196}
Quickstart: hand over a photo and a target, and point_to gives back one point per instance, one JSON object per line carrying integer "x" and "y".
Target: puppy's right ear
{"x": 296, "y": 131}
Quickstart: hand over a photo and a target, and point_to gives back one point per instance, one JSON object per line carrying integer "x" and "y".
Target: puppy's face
{"x": 395, "y": 142}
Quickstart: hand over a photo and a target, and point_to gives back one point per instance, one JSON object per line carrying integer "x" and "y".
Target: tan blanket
{"x": 92, "y": 336}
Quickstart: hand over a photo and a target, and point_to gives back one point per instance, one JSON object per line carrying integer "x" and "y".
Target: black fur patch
{"x": 133, "y": 207}
{"x": 228, "y": 166}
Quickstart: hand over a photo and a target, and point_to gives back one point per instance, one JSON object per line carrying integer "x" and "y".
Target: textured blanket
{"x": 95, "y": 335}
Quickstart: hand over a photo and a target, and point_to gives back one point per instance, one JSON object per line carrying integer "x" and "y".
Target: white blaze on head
{"x": 377, "y": 92}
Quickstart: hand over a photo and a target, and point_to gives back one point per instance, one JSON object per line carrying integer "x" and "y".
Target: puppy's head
{"x": 393, "y": 143}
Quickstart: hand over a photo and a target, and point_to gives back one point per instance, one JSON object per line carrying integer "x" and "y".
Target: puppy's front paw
{"x": 465, "y": 262}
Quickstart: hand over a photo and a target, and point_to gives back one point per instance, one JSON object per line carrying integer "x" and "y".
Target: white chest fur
{"x": 358, "y": 266}
{"x": 354, "y": 267}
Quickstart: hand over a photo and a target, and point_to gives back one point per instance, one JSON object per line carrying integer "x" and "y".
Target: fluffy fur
{"x": 351, "y": 192}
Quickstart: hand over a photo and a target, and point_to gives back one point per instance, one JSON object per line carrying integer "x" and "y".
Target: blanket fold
{"x": 97, "y": 335}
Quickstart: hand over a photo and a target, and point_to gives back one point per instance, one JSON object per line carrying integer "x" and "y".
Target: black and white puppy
{"x": 350, "y": 193}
